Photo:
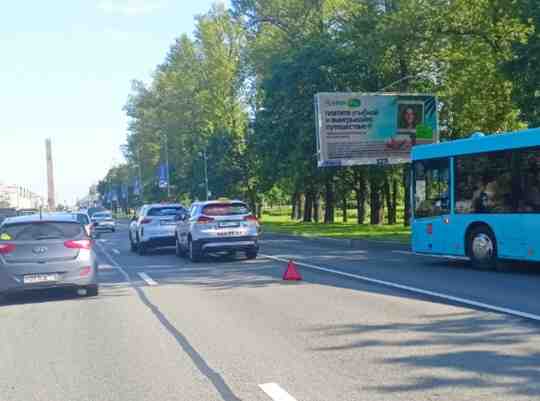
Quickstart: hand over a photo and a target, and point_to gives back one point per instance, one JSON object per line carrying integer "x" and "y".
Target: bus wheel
{"x": 483, "y": 248}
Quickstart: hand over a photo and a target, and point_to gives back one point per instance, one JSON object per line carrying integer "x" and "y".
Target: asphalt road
{"x": 231, "y": 329}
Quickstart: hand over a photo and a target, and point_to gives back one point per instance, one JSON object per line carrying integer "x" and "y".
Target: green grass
{"x": 282, "y": 224}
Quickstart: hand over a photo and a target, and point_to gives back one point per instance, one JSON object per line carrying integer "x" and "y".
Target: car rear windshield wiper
{"x": 44, "y": 237}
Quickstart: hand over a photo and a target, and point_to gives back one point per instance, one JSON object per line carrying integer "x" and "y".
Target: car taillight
{"x": 205, "y": 220}
{"x": 6, "y": 248}
{"x": 85, "y": 271}
{"x": 78, "y": 244}
{"x": 251, "y": 219}
{"x": 146, "y": 221}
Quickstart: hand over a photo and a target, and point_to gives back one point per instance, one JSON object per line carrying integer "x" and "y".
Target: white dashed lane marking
{"x": 147, "y": 279}
{"x": 275, "y": 392}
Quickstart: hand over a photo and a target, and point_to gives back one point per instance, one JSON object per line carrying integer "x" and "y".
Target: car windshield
{"x": 225, "y": 209}
{"x": 40, "y": 230}
{"x": 165, "y": 211}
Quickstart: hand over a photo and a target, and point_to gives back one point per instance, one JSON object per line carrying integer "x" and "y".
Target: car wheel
{"x": 194, "y": 252}
{"x": 482, "y": 248}
{"x": 178, "y": 248}
{"x": 132, "y": 245}
{"x": 252, "y": 254}
{"x": 141, "y": 248}
{"x": 92, "y": 290}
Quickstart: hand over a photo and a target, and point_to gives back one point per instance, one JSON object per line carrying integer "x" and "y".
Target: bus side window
{"x": 431, "y": 188}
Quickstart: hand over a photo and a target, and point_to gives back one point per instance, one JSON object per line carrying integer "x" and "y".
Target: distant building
{"x": 19, "y": 197}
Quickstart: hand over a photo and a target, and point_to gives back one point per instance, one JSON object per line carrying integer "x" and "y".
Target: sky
{"x": 66, "y": 68}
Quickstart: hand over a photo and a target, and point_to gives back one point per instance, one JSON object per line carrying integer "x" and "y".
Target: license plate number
{"x": 229, "y": 233}
{"x": 40, "y": 278}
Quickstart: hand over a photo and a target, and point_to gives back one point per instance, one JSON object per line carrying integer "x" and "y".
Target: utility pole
{"x": 141, "y": 186}
{"x": 167, "y": 164}
{"x": 203, "y": 155}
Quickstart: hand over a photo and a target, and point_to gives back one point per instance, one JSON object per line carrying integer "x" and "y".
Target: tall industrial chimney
{"x": 50, "y": 175}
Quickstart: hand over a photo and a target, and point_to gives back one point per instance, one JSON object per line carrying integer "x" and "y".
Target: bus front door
{"x": 430, "y": 235}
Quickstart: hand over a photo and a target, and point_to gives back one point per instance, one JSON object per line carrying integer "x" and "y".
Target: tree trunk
{"x": 294, "y": 204}
{"x": 361, "y": 190}
{"x": 407, "y": 200}
{"x": 308, "y": 208}
{"x": 299, "y": 207}
{"x": 316, "y": 207}
{"x": 387, "y": 197}
{"x": 344, "y": 208}
{"x": 395, "y": 189}
{"x": 329, "y": 201}
{"x": 375, "y": 201}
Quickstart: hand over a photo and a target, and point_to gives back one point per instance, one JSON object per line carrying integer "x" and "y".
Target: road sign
{"x": 359, "y": 128}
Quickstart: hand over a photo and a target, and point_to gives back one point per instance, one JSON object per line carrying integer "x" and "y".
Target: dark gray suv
{"x": 46, "y": 251}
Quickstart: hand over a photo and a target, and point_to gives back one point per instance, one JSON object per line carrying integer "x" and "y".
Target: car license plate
{"x": 229, "y": 233}
{"x": 39, "y": 278}
{"x": 167, "y": 222}
{"x": 229, "y": 224}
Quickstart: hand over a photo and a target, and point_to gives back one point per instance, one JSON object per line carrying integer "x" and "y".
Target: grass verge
{"x": 284, "y": 225}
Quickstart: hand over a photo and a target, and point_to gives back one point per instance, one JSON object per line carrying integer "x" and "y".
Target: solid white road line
{"x": 425, "y": 255}
{"x": 463, "y": 301}
{"x": 147, "y": 279}
{"x": 275, "y": 392}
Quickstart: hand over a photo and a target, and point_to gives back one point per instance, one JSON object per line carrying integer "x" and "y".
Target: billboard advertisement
{"x": 359, "y": 128}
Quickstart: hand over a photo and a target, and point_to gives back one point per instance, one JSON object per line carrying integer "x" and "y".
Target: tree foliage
{"x": 241, "y": 91}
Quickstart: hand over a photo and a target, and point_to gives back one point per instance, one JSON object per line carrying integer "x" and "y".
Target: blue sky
{"x": 65, "y": 73}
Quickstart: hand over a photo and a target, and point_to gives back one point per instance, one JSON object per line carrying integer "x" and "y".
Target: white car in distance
{"x": 217, "y": 226}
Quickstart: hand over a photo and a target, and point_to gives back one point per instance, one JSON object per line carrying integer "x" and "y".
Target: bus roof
{"x": 478, "y": 144}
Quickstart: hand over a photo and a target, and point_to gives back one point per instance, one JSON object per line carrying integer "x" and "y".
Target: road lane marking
{"x": 463, "y": 301}
{"x": 147, "y": 279}
{"x": 432, "y": 256}
{"x": 275, "y": 392}
{"x": 107, "y": 267}
{"x": 114, "y": 262}
{"x": 116, "y": 251}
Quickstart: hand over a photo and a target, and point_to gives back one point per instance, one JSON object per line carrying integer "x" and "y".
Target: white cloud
{"x": 130, "y": 8}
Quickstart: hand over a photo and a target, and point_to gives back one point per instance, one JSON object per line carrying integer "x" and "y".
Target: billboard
{"x": 359, "y": 128}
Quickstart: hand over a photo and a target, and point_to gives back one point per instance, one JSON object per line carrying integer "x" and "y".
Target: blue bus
{"x": 478, "y": 198}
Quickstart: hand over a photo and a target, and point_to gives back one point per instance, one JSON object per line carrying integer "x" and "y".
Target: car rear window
{"x": 225, "y": 209}
{"x": 103, "y": 215}
{"x": 165, "y": 211}
{"x": 36, "y": 231}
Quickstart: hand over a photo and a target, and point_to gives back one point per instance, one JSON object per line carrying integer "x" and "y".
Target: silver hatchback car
{"x": 46, "y": 251}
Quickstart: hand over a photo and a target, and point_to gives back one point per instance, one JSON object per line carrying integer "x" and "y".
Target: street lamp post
{"x": 203, "y": 155}
{"x": 167, "y": 165}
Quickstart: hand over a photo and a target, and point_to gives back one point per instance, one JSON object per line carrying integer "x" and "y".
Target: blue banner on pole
{"x": 124, "y": 191}
{"x": 163, "y": 176}
{"x": 136, "y": 186}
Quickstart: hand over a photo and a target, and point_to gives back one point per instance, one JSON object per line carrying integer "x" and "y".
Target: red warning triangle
{"x": 292, "y": 272}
